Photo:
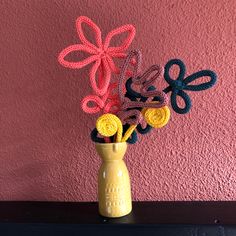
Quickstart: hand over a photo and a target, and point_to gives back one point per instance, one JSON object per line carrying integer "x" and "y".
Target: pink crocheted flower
{"x": 102, "y": 53}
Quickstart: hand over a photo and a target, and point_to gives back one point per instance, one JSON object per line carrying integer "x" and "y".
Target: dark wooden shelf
{"x": 165, "y": 218}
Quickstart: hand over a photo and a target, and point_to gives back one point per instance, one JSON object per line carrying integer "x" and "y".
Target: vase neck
{"x": 111, "y": 151}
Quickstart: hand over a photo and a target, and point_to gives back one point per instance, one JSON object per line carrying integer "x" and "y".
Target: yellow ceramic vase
{"x": 114, "y": 193}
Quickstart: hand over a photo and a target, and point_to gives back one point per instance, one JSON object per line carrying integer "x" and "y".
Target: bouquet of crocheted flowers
{"x": 129, "y": 103}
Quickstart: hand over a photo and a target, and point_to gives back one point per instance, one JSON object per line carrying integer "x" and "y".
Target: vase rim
{"x": 109, "y": 143}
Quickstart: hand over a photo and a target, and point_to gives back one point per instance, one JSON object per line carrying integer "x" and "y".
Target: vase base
{"x": 114, "y": 215}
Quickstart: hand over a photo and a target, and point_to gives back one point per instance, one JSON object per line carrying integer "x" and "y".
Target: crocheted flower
{"x": 102, "y": 53}
{"x": 132, "y": 104}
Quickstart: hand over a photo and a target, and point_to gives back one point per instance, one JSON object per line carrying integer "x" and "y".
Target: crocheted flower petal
{"x": 101, "y": 87}
{"x": 125, "y": 44}
{"x": 96, "y": 30}
{"x": 96, "y": 104}
{"x": 197, "y": 77}
{"x": 149, "y": 77}
{"x": 118, "y": 54}
{"x": 79, "y": 64}
{"x": 186, "y": 100}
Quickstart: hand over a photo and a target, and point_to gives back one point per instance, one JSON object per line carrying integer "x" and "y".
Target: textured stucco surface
{"x": 45, "y": 150}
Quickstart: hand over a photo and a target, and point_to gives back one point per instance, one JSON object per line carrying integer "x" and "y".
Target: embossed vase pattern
{"x": 114, "y": 193}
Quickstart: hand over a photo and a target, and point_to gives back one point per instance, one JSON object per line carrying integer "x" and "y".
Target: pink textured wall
{"x": 45, "y": 149}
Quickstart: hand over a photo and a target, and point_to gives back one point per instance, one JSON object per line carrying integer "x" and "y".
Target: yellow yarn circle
{"x": 157, "y": 117}
{"x": 108, "y": 125}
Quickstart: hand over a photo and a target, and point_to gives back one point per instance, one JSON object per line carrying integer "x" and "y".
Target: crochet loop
{"x": 107, "y": 103}
{"x": 108, "y": 125}
{"x": 157, "y": 117}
